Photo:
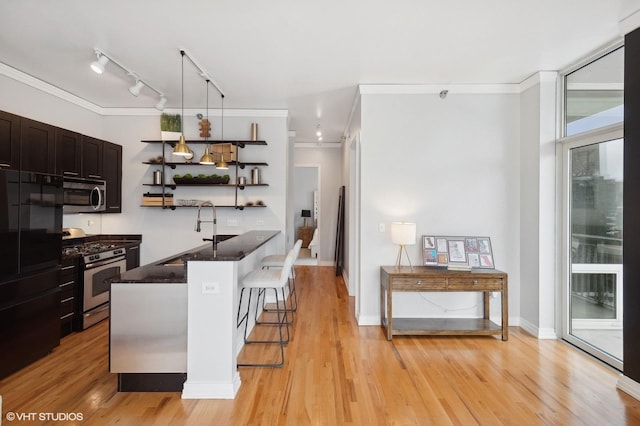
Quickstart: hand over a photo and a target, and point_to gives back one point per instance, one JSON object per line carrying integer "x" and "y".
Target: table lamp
{"x": 305, "y": 214}
{"x": 403, "y": 234}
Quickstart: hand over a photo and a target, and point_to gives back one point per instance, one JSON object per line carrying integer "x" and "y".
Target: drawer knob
{"x": 475, "y": 282}
{"x": 419, "y": 282}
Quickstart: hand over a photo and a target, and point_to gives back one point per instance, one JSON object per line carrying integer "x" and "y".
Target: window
{"x": 594, "y": 94}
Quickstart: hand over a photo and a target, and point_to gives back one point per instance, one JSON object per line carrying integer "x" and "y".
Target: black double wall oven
{"x": 31, "y": 209}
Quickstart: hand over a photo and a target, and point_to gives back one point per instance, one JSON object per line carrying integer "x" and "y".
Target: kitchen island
{"x": 173, "y": 322}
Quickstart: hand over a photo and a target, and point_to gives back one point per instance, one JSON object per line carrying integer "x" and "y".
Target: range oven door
{"x": 96, "y": 286}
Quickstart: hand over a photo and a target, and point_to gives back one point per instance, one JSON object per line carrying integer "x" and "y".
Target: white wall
{"x": 166, "y": 232}
{"x": 538, "y": 208}
{"x": 329, "y": 162}
{"x": 450, "y": 165}
{"x": 305, "y": 182}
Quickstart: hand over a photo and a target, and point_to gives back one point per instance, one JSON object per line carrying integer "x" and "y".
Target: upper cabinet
{"x": 68, "y": 153}
{"x": 92, "y": 158}
{"x": 37, "y": 147}
{"x": 9, "y": 141}
{"x": 33, "y": 146}
{"x": 112, "y": 174}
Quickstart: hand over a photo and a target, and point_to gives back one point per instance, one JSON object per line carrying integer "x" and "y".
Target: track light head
{"x": 135, "y": 90}
{"x": 161, "y": 103}
{"x": 98, "y": 66}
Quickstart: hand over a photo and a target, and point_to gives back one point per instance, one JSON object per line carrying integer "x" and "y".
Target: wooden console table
{"x": 305, "y": 233}
{"x": 426, "y": 279}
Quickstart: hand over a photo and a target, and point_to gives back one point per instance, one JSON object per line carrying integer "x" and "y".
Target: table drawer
{"x": 418, "y": 283}
{"x": 475, "y": 283}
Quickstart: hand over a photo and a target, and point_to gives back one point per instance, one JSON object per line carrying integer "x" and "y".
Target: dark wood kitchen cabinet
{"x": 68, "y": 153}
{"x": 69, "y": 306}
{"x": 37, "y": 147}
{"x": 112, "y": 174}
{"x": 9, "y": 141}
{"x": 92, "y": 157}
{"x": 133, "y": 257}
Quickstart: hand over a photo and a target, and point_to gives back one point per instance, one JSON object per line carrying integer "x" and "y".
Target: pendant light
{"x": 222, "y": 165}
{"x": 181, "y": 148}
{"x": 207, "y": 158}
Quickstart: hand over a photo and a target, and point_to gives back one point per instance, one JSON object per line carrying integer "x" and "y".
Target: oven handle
{"x": 104, "y": 262}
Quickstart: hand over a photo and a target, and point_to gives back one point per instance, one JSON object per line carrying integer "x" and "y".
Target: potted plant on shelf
{"x": 170, "y": 126}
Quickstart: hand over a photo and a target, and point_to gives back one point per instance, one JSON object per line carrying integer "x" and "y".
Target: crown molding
{"x": 538, "y": 78}
{"x": 421, "y": 89}
{"x": 38, "y": 84}
{"x": 629, "y": 23}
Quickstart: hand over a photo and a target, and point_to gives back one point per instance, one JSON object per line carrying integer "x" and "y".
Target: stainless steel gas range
{"x": 99, "y": 262}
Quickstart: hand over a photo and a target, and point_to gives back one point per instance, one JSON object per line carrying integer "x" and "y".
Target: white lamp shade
{"x": 403, "y": 233}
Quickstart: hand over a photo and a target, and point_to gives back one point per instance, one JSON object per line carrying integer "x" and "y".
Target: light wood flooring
{"x": 337, "y": 373}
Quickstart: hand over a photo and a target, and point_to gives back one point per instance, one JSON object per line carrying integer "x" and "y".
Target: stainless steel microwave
{"x": 84, "y": 195}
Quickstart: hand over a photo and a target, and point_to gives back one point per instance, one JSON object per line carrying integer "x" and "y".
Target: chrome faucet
{"x": 213, "y": 221}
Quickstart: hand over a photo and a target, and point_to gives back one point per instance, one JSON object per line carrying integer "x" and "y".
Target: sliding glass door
{"x": 593, "y": 291}
{"x": 593, "y": 154}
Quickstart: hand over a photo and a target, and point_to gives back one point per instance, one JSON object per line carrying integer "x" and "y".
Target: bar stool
{"x": 263, "y": 280}
{"x": 277, "y": 261}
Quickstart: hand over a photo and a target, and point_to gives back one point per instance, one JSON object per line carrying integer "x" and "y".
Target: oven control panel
{"x": 105, "y": 255}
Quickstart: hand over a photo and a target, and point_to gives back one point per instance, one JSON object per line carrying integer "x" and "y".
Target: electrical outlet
{"x": 260, "y": 222}
{"x": 232, "y": 222}
{"x": 210, "y": 288}
{"x": 381, "y": 227}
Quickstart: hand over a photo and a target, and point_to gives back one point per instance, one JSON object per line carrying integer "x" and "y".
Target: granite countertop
{"x": 173, "y": 268}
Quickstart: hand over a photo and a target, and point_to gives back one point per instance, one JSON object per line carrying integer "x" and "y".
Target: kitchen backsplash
{"x": 91, "y": 223}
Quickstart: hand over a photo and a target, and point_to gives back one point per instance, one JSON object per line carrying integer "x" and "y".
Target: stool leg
{"x": 282, "y": 321}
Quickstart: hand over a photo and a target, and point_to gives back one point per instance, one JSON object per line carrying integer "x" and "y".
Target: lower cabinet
{"x": 68, "y": 294}
{"x": 29, "y": 320}
{"x": 133, "y": 257}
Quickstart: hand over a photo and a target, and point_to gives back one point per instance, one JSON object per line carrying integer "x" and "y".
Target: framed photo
{"x": 457, "y": 252}
{"x": 474, "y": 260}
{"x": 429, "y": 252}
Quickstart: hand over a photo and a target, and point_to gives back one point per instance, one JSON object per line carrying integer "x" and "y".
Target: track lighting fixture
{"x": 318, "y": 131}
{"x": 161, "y": 103}
{"x": 135, "y": 90}
{"x": 98, "y": 66}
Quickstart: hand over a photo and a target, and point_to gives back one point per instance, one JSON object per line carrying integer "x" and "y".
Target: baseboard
{"x": 540, "y": 333}
{"x": 211, "y": 390}
{"x": 629, "y": 386}
{"x": 369, "y": 320}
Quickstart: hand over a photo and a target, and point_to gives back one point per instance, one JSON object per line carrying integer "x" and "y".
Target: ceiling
{"x": 302, "y": 56}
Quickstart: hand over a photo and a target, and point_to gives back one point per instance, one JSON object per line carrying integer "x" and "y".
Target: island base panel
{"x": 151, "y": 382}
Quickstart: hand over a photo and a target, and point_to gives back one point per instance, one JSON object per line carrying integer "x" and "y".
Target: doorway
{"x": 306, "y": 207}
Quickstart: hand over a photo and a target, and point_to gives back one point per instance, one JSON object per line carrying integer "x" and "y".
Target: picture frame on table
{"x": 458, "y": 252}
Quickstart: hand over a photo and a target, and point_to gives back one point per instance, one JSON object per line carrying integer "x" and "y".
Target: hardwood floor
{"x": 339, "y": 373}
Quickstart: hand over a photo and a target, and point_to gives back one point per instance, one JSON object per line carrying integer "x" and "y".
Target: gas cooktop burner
{"x": 89, "y": 248}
